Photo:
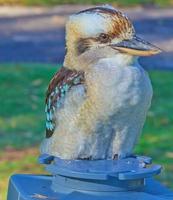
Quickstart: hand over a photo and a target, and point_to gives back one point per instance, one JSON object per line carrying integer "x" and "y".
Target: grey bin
{"x": 126, "y": 179}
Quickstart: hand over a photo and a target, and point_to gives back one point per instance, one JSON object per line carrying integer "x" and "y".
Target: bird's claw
{"x": 86, "y": 158}
{"x": 123, "y": 156}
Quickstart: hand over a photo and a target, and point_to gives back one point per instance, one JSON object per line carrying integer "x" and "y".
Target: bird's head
{"x": 102, "y": 32}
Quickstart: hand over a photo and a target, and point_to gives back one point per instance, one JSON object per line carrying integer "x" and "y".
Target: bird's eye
{"x": 104, "y": 38}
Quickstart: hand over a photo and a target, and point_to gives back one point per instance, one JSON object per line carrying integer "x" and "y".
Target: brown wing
{"x": 59, "y": 86}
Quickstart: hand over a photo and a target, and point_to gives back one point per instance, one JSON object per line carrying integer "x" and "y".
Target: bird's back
{"x": 58, "y": 88}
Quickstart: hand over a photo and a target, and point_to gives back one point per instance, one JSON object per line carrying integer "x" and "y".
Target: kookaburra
{"x": 96, "y": 104}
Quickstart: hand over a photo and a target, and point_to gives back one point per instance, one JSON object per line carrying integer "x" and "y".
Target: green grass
{"x": 115, "y": 2}
{"x": 22, "y": 91}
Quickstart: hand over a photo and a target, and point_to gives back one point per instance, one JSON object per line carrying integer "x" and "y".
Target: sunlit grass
{"x": 13, "y": 161}
{"x": 22, "y": 91}
{"x": 115, "y": 2}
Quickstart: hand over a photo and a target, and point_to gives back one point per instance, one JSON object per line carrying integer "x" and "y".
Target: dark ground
{"x": 37, "y": 34}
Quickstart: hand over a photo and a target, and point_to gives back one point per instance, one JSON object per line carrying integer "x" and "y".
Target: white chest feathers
{"x": 118, "y": 88}
{"x": 124, "y": 95}
{"x": 105, "y": 120}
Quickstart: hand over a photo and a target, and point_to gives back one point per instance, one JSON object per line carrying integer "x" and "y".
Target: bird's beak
{"x": 137, "y": 47}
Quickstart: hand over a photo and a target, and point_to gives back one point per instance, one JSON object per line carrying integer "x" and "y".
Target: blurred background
{"x": 32, "y": 47}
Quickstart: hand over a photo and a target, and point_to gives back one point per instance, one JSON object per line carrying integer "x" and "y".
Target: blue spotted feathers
{"x": 59, "y": 86}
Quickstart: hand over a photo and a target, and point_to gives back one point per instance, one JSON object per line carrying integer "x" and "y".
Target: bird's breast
{"x": 118, "y": 89}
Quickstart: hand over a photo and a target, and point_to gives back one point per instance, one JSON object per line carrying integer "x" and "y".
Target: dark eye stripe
{"x": 83, "y": 45}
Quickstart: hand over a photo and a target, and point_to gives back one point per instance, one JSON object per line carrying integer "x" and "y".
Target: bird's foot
{"x": 123, "y": 156}
{"x": 131, "y": 156}
{"x": 115, "y": 157}
{"x": 86, "y": 158}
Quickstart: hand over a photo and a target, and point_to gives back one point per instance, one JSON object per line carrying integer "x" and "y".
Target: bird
{"x": 97, "y": 102}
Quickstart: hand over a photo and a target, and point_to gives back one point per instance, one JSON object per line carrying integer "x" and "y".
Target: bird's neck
{"x": 74, "y": 62}
{"x": 119, "y": 60}
{"x": 71, "y": 61}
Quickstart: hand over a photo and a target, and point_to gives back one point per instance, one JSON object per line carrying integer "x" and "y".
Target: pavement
{"x": 37, "y": 34}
